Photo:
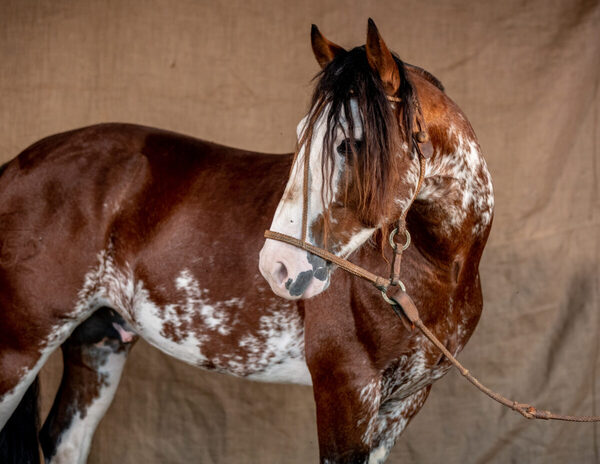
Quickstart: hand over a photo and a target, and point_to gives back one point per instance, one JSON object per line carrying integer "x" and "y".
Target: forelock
{"x": 349, "y": 95}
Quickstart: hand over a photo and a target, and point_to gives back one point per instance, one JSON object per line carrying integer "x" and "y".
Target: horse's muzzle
{"x": 291, "y": 272}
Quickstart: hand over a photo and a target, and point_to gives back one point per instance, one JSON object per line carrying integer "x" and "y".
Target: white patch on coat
{"x": 410, "y": 178}
{"x": 460, "y": 182}
{"x": 116, "y": 288}
{"x": 413, "y": 373}
{"x": 276, "y": 350}
{"x": 213, "y": 315}
{"x": 369, "y": 396}
{"x": 379, "y": 454}
{"x": 149, "y": 320}
{"x": 10, "y": 400}
{"x": 391, "y": 423}
{"x": 75, "y": 442}
{"x": 355, "y": 242}
{"x": 273, "y": 351}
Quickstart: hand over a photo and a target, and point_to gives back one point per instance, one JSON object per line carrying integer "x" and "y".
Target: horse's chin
{"x": 315, "y": 288}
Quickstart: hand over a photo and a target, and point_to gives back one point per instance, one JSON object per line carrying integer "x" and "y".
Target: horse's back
{"x": 73, "y": 187}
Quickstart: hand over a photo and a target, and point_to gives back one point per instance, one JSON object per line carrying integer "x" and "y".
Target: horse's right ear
{"x": 324, "y": 50}
{"x": 381, "y": 60}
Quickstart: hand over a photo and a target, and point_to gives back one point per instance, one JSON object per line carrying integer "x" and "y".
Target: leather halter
{"x": 401, "y": 303}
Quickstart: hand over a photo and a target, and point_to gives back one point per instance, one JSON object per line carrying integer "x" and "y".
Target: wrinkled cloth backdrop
{"x": 238, "y": 72}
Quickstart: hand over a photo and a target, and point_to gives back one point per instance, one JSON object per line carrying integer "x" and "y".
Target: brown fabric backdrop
{"x": 238, "y": 72}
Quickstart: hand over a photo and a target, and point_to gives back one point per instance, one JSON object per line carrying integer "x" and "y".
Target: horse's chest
{"x": 411, "y": 373}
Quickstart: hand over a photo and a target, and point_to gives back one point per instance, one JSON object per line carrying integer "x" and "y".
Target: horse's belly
{"x": 260, "y": 339}
{"x": 289, "y": 370}
{"x": 253, "y": 335}
{"x": 271, "y": 351}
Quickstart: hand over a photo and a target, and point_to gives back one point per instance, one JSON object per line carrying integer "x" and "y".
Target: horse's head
{"x": 354, "y": 171}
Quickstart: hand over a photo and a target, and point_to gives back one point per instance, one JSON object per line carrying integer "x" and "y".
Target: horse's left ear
{"x": 324, "y": 49}
{"x": 381, "y": 60}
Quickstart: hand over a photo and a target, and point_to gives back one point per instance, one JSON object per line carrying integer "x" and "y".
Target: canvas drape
{"x": 238, "y": 72}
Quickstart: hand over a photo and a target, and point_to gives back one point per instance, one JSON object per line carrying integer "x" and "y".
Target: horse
{"x": 115, "y": 231}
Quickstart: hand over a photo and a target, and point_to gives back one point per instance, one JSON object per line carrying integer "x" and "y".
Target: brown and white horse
{"x": 117, "y": 231}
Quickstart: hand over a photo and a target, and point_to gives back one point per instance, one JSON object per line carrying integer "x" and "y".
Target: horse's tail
{"x": 19, "y": 437}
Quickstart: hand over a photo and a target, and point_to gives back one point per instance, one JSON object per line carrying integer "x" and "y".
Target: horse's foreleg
{"x": 20, "y": 362}
{"x": 347, "y": 397}
{"x": 346, "y": 416}
{"x": 94, "y": 357}
{"x": 393, "y": 417}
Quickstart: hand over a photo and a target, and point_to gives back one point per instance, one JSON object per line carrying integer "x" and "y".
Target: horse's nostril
{"x": 281, "y": 273}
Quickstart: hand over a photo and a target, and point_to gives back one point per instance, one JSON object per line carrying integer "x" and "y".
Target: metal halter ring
{"x": 394, "y": 245}
{"x": 388, "y": 299}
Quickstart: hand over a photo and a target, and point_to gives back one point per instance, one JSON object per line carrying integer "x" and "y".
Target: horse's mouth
{"x": 321, "y": 268}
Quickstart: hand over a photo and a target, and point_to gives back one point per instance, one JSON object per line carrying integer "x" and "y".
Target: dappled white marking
{"x": 379, "y": 455}
{"x": 459, "y": 183}
{"x": 369, "y": 396}
{"x": 213, "y": 316}
{"x": 391, "y": 422}
{"x": 282, "y": 355}
{"x": 273, "y": 351}
{"x": 355, "y": 242}
{"x": 10, "y": 400}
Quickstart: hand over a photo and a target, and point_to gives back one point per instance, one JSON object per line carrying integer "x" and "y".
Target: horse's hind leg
{"x": 19, "y": 436}
{"x": 20, "y": 362}
{"x": 394, "y": 416}
{"x": 94, "y": 357}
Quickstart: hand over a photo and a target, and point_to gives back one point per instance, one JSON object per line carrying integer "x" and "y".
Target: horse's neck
{"x": 454, "y": 207}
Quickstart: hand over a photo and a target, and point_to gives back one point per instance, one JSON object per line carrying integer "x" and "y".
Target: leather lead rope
{"x": 530, "y": 412}
{"x": 402, "y": 304}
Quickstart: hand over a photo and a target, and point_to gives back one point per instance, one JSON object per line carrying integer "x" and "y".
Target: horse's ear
{"x": 324, "y": 50}
{"x": 381, "y": 60}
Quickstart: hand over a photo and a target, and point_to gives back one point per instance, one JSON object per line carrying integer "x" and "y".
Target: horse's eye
{"x": 345, "y": 148}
